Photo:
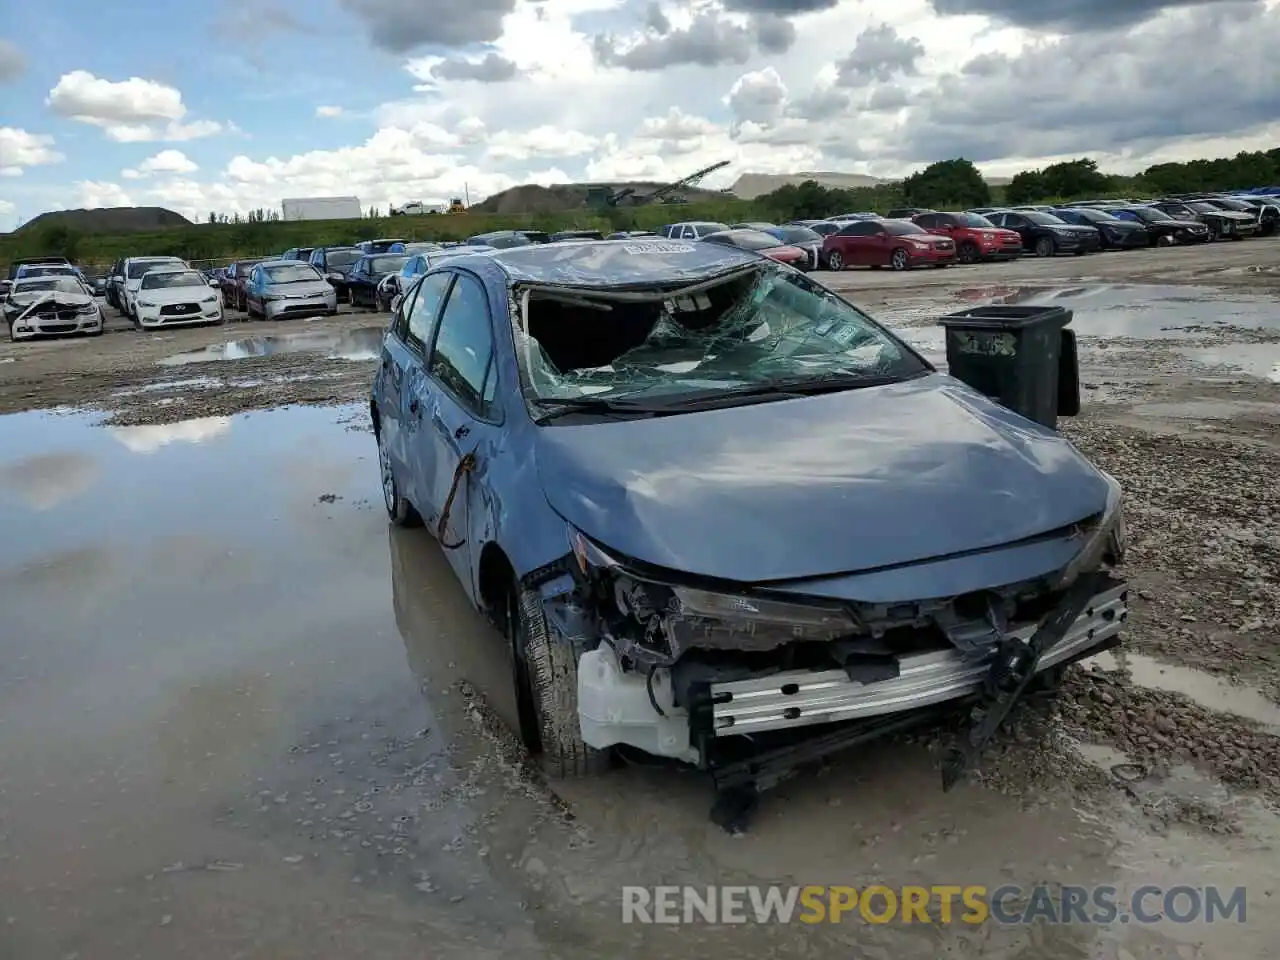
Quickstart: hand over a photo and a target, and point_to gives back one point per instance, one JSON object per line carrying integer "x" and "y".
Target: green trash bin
{"x": 1023, "y": 357}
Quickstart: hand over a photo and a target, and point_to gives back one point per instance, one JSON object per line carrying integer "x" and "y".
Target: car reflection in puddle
{"x": 359, "y": 344}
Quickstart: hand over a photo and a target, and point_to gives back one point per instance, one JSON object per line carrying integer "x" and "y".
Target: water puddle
{"x": 1261, "y": 360}
{"x": 362, "y": 343}
{"x": 1147, "y": 311}
{"x": 1210, "y": 692}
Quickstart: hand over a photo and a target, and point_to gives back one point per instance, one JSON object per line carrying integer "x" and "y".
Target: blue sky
{"x": 234, "y": 107}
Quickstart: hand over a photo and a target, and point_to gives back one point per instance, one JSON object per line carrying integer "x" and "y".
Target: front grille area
{"x": 64, "y": 315}
{"x": 57, "y": 327}
{"x": 179, "y": 309}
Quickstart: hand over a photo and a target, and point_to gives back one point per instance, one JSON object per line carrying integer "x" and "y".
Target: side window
{"x": 462, "y": 358}
{"x": 420, "y": 313}
{"x": 931, "y": 221}
{"x": 1124, "y": 214}
{"x": 1013, "y": 220}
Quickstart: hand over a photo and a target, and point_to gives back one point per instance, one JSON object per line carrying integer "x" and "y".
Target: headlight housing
{"x": 666, "y": 619}
{"x": 146, "y": 303}
{"x": 1105, "y": 537}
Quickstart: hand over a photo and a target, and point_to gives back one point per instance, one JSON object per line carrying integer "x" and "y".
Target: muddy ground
{"x": 240, "y": 717}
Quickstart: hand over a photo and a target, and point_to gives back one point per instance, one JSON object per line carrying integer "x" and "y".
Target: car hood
{"x": 834, "y": 483}
{"x": 311, "y": 288}
{"x": 177, "y": 294}
{"x": 1072, "y": 228}
{"x": 24, "y": 301}
{"x": 1238, "y": 215}
{"x": 1124, "y": 225}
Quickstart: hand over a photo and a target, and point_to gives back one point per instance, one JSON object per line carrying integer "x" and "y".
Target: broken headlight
{"x": 671, "y": 618}
{"x": 1105, "y": 537}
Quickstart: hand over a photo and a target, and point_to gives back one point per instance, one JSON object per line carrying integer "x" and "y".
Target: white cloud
{"x": 94, "y": 193}
{"x": 850, "y": 91}
{"x": 129, "y": 111}
{"x": 19, "y": 149}
{"x": 6, "y": 208}
{"x": 166, "y": 161}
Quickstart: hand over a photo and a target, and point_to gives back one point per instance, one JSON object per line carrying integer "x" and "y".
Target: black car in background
{"x": 505, "y": 239}
{"x": 906, "y": 213}
{"x": 1046, "y": 235}
{"x": 1222, "y": 224}
{"x": 1113, "y": 233}
{"x": 334, "y": 263}
{"x": 367, "y": 272}
{"x": 1267, "y": 212}
{"x": 1162, "y": 228}
{"x": 564, "y": 235}
{"x": 806, "y": 238}
{"x": 823, "y": 228}
{"x": 298, "y": 253}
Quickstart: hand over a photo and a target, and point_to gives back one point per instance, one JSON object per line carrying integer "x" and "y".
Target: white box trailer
{"x": 321, "y": 208}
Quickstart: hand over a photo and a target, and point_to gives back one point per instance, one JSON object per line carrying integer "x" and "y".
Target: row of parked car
{"x": 908, "y": 237}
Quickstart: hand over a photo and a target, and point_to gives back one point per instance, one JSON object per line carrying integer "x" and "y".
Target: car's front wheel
{"x": 551, "y": 666}
{"x": 1046, "y": 247}
{"x": 968, "y": 252}
{"x": 399, "y": 510}
{"x": 899, "y": 259}
{"x": 835, "y": 260}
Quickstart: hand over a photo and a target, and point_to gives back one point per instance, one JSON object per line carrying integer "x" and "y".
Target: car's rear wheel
{"x": 899, "y": 259}
{"x": 551, "y": 665}
{"x": 351, "y": 296}
{"x": 968, "y": 252}
{"x": 1046, "y": 247}
{"x": 400, "y": 511}
{"x": 835, "y": 260}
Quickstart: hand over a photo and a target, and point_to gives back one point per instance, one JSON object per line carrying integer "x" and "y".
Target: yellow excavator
{"x": 456, "y": 206}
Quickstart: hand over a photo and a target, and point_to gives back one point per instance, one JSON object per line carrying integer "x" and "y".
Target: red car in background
{"x": 899, "y": 244}
{"x": 976, "y": 238}
{"x": 762, "y": 243}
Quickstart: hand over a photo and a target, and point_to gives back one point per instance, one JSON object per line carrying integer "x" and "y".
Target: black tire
{"x": 399, "y": 510}
{"x": 968, "y": 252}
{"x": 1046, "y": 247}
{"x": 835, "y": 260}
{"x": 899, "y": 259}
{"x": 222, "y": 319}
{"x": 552, "y": 667}
{"x": 351, "y": 297}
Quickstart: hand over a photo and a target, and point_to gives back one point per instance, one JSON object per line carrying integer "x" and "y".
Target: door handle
{"x": 461, "y": 432}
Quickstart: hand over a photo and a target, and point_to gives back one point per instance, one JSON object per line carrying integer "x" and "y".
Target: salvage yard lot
{"x": 241, "y": 716}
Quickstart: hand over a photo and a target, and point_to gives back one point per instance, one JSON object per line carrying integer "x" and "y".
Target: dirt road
{"x": 240, "y": 717}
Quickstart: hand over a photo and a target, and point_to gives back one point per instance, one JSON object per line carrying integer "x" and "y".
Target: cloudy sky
{"x": 234, "y": 105}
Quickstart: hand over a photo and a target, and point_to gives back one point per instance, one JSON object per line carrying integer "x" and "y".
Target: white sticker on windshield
{"x": 843, "y": 334}
{"x": 659, "y": 247}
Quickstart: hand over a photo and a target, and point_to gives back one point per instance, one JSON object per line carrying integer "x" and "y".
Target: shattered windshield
{"x": 62, "y": 284}
{"x": 761, "y": 327}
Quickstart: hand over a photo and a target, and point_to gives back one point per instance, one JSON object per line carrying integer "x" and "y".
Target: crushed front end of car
{"x": 785, "y": 531}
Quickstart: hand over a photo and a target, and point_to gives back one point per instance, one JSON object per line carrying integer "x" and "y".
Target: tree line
{"x": 958, "y": 184}
{"x": 945, "y": 185}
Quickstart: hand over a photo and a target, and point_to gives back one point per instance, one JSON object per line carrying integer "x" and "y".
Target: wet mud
{"x": 240, "y": 716}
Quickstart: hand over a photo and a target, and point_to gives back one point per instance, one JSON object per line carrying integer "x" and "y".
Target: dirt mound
{"x": 108, "y": 220}
{"x": 532, "y": 198}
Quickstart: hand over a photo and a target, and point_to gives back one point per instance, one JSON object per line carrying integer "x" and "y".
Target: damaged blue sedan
{"x": 722, "y": 516}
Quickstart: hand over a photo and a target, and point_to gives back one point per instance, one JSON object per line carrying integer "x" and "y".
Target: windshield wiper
{"x": 785, "y": 389}
{"x": 560, "y": 406}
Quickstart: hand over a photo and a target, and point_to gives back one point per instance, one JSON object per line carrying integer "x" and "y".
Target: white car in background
{"x": 134, "y": 269}
{"x": 47, "y": 306}
{"x": 171, "y": 296}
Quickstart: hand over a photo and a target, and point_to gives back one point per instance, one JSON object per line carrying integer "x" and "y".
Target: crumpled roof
{"x": 638, "y": 260}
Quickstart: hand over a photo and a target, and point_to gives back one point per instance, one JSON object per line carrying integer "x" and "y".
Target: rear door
{"x": 465, "y": 420}
{"x": 402, "y": 370}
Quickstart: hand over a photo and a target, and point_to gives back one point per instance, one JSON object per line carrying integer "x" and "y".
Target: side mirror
{"x": 213, "y": 282}
{"x": 118, "y": 278}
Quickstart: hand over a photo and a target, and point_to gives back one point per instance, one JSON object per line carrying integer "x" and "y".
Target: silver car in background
{"x": 280, "y": 289}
